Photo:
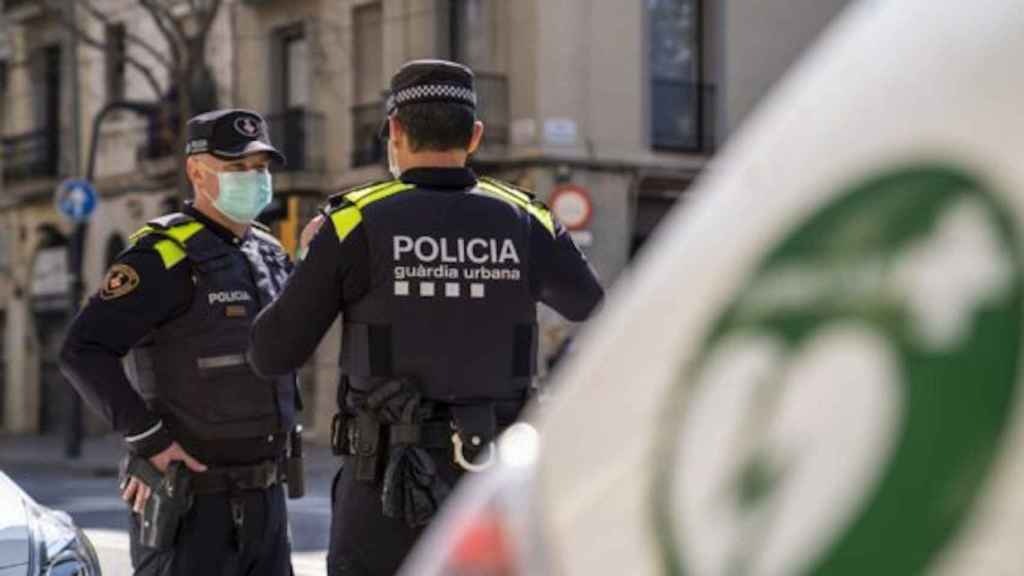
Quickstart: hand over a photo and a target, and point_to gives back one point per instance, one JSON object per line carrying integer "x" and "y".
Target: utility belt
{"x": 394, "y": 435}
{"x": 173, "y": 492}
{"x": 366, "y": 439}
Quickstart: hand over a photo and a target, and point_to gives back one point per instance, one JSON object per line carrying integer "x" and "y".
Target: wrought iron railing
{"x": 299, "y": 135}
{"x": 30, "y": 155}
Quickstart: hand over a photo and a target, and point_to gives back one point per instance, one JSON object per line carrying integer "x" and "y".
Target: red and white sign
{"x": 572, "y": 206}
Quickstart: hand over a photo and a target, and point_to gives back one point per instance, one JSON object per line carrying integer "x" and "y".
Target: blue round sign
{"x": 76, "y": 199}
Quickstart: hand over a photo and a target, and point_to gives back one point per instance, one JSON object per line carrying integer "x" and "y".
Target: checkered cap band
{"x": 428, "y": 92}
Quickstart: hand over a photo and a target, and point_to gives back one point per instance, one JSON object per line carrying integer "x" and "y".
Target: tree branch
{"x": 98, "y": 14}
{"x": 173, "y": 32}
{"x": 92, "y": 42}
{"x": 208, "y": 18}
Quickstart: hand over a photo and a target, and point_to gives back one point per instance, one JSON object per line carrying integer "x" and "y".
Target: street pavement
{"x": 86, "y": 489}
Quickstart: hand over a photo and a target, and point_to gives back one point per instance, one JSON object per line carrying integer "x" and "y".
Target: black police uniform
{"x": 436, "y": 277}
{"x": 177, "y": 306}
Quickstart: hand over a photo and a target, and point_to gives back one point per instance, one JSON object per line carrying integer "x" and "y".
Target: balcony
{"x": 299, "y": 135}
{"x": 367, "y": 147}
{"x": 30, "y": 155}
{"x": 492, "y": 109}
{"x": 682, "y": 116}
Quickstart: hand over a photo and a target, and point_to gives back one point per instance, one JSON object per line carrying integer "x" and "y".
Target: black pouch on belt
{"x": 295, "y": 473}
{"x": 476, "y": 426}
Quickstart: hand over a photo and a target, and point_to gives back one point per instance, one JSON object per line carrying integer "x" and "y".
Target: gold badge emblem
{"x": 120, "y": 280}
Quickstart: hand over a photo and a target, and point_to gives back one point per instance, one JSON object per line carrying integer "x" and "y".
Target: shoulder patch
{"x": 120, "y": 280}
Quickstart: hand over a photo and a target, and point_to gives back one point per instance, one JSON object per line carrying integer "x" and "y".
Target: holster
{"x": 365, "y": 441}
{"x": 340, "y": 433}
{"x": 170, "y": 500}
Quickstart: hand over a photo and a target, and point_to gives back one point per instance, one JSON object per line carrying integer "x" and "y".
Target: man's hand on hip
{"x": 137, "y": 492}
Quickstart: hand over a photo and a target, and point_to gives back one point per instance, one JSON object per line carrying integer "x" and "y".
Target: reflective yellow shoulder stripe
{"x": 347, "y": 217}
{"x": 538, "y": 212}
{"x": 345, "y": 220}
{"x": 170, "y": 250}
{"x": 363, "y": 193}
{"x": 139, "y": 234}
{"x": 517, "y": 193}
{"x": 184, "y": 232}
{"x": 381, "y": 193}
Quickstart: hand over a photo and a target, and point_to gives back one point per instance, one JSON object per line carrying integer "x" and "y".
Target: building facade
{"x": 626, "y": 101}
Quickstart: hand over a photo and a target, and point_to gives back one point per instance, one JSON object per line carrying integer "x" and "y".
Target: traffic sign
{"x": 76, "y": 199}
{"x": 572, "y": 206}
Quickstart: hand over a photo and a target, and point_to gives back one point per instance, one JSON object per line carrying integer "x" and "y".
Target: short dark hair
{"x": 437, "y": 126}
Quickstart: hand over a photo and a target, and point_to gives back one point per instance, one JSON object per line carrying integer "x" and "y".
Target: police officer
{"x": 179, "y": 303}
{"x": 436, "y": 275}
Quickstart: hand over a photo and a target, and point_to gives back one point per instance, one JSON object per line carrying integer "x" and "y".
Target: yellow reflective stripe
{"x": 380, "y": 194}
{"x": 184, "y": 231}
{"x": 169, "y": 252}
{"x": 140, "y": 233}
{"x": 517, "y": 193}
{"x": 360, "y": 194}
{"x": 345, "y": 220}
{"x": 541, "y": 214}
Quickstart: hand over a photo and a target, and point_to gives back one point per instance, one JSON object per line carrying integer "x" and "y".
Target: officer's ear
{"x": 478, "y": 134}
{"x": 395, "y": 132}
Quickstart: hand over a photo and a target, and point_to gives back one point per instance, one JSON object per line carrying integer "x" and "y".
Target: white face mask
{"x": 396, "y": 172}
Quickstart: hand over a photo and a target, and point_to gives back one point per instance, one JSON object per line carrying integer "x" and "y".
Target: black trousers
{"x": 365, "y": 542}
{"x": 207, "y": 544}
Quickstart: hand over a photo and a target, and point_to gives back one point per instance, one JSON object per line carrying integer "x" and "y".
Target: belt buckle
{"x": 460, "y": 456}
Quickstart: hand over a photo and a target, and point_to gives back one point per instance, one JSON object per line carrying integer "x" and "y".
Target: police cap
{"x": 429, "y": 81}
{"x": 229, "y": 135}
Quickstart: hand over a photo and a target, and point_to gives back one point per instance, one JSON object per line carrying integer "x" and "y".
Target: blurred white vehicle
{"x": 815, "y": 368}
{"x": 38, "y": 541}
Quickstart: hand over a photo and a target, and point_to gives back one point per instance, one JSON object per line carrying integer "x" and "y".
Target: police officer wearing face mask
{"x": 436, "y": 275}
{"x": 178, "y": 305}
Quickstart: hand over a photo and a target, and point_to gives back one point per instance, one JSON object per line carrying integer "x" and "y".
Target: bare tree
{"x": 185, "y": 27}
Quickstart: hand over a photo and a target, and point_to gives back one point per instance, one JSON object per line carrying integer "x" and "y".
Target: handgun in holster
{"x": 340, "y": 435}
{"x": 295, "y": 474}
{"x": 169, "y": 501}
{"x": 365, "y": 446}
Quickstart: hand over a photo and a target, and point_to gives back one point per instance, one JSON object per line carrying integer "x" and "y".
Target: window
{"x": 674, "y": 67}
{"x": 368, "y": 62}
{"x": 295, "y": 69}
{"x": 115, "y": 64}
{"x": 369, "y": 53}
{"x": 472, "y": 37}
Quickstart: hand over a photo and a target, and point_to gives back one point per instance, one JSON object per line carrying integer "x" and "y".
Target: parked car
{"x": 816, "y": 367}
{"x": 38, "y": 541}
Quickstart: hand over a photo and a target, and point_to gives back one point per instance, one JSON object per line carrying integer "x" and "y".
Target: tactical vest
{"x": 193, "y": 369}
{"x": 449, "y": 302}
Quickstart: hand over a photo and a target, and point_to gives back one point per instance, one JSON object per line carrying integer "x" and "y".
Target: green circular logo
{"x": 846, "y": 409}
